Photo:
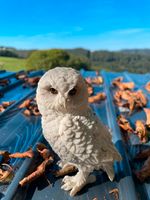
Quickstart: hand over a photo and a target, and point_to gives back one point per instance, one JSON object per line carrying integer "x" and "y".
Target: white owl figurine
{"x": 72, "y": 130}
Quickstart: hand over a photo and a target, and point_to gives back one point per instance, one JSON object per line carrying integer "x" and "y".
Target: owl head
{"x": 62, "y": 90}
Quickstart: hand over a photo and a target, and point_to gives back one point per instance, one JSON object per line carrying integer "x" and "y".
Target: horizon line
{"x": 88, "y": 49}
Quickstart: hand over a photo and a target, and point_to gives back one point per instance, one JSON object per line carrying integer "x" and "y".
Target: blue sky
{"x": 91, "y": 24}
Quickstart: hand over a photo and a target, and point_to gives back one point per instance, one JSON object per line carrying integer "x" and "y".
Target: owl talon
{"x": 76, "y": 183}
{"x": 66, "y": 187}
{"x": 75, "y": 190}
{"x": 65, "y": 179}
{"x": 81, "y": 184}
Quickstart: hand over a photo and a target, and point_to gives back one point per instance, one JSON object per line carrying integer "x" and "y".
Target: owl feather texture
{"x": 73, "y": 131}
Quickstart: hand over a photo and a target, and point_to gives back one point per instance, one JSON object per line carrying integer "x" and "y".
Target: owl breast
{"x": 50, "y": 125}
{"x": 76, "y": 133}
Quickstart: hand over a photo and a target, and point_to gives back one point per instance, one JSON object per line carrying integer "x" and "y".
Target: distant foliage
{"x": 8, "y": 53}
{"x": 13, "y": 52}
{"x": 24, "y": 53}
{"x": 78, "y": 62}
{"x": 122, "y": 61}
{"x": 79, "y": 52}
{"x": 134, "y": 60}
{"x": 48, "y": 59}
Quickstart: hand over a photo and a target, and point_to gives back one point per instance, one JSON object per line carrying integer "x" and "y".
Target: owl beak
{"x": 64, "y": 104}
{"x": 63, "y": 100}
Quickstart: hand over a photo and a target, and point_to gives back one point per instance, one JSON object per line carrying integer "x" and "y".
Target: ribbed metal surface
{"x": 18, "y": 132}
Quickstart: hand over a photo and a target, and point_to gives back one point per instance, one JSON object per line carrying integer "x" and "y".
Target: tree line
{"x": 137, "y": 61}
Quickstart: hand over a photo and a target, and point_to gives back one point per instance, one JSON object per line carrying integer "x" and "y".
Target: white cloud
{"x": 128, "y": 31}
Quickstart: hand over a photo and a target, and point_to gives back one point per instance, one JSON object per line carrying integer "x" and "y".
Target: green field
{"x": 12, "y": 64}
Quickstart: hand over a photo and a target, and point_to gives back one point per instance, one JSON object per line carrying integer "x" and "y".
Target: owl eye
{"x": 72, "y": 92}
{"x": 53, "y": 91}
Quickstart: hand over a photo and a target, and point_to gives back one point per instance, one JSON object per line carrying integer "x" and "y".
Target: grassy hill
{"x": 12, "y": 64}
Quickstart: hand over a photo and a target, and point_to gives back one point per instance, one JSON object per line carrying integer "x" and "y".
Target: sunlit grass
{"x": 12, "y": 64}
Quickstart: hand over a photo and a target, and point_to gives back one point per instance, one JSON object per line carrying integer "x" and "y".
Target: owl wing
{"x": 103, "y": 138}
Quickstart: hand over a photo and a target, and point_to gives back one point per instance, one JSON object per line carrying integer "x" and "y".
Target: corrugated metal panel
{"x": 18, "y": 132}
{"x": 140, "y": 81}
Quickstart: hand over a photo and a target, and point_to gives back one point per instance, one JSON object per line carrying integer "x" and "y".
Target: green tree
{"x": 47, "y": 59}
{"x": 78, "y": 62}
